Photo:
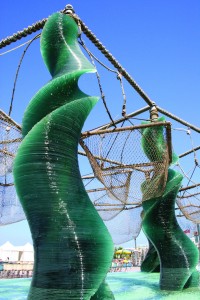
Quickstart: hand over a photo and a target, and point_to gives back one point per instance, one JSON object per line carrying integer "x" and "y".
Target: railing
{"x": 123, "y": 267}
{"x": 5, "y": 274}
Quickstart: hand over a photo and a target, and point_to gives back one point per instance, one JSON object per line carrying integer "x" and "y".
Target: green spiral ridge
{"x": 72, "y": 247}
{"x": 177, "y": 254}
{"x": 151, "y": 263}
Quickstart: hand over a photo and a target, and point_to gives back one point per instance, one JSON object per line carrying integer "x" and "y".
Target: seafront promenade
{"x": 16, "y": 270}
{"x": 26, "y": 270}
{"x": 15, "y": 274}
{"x": 124, "y": 269}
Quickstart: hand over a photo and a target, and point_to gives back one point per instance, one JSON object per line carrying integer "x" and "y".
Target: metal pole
{"x": 135, "y": 243}
{"x": 131, "y": 115}
{"x": 189, "y": 187}
{"x": 189, "y": 152}
{"x": 6, "y": 117}
{"x": 121, "y": 129}
{"x": 165, "y": 112}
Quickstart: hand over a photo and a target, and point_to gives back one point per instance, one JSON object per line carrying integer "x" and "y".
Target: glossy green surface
{"x": 151, "y": 263}
{"x": 177, "y": 253}
{"x": 73, "y": 249}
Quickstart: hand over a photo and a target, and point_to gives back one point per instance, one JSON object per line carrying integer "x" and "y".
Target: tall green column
{"x": 73, "y": 249}
{"x": 177, "y": 253}
{"x": 151, "y": 261}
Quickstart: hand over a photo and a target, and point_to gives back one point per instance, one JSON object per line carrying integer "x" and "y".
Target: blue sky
{"x": 157, "y": 42}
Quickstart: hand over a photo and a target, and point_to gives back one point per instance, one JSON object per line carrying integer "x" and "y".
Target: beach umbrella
{"x": 125, "y": 261}
{"x": 122, "y": 251}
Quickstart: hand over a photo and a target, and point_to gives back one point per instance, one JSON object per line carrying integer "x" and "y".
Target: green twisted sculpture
{"x": 151, "y": 261}
{"x": 73, "y": 249}
{"x": 177, "y": 253}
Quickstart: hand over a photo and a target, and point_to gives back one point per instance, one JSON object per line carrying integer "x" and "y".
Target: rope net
{"x": 126, "y": 226}
{"x": 10, "y": 138}
{"x": 188, "y": 202}
{"x": 123, "y": 221}
{"x": 120, "y": 164}
{"x": 188, "y": 199}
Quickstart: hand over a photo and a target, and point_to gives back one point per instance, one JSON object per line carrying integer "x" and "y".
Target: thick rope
{"x": 40, "y": 24}
{"x": 29, "y": 30}
{"x": 23, "y": 33}
{"x": 112, "y": 59}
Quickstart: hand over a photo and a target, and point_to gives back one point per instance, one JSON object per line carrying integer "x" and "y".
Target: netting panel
{"x": 120, "y": 164}
{"x": 10, "y": 208}
{"x": 107, "y": 207}
{"x": 10, "y": 138}
{"x": 126, "y": 226}
{"x": 123, "y": 221}
{"x": 189, "y": 204}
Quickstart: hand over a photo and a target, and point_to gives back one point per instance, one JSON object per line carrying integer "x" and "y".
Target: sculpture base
{"x": 124, "y": 285}
{"x": 145, "y": 286}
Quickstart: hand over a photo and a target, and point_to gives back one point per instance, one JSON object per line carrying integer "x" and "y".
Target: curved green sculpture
{"x": 73, "y": 249}
{"x": 177, "y": 253}
{"x": 151, "y": 261}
